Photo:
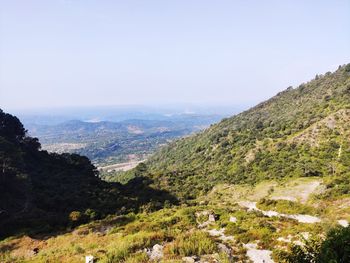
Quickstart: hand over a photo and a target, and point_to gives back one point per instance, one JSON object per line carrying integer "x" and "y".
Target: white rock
{"x": 343, "y": 223}
{"x": 211, "y": 218}
{"x": 157, "y": 252}
{"x": 287, "y": 240}
{"x": 247, "y": 204}
{"x": 89, "y": 259}
{"x": 304, "y": 218}
{"x": 298, "y": 243}
{"x": 215, "y": 232}
{"x": 227, "y": 238}
{"x": 300, "y": 218}
{"x": 233, "y": 219}
{"x": 220, "y": 234}
{"x": 258, "y": 255}
{"x": 188, "y": 259}
{"x": 270, "y": 213}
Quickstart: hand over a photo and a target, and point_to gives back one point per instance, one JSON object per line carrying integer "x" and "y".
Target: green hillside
{"x": 271, "y": 184}
{"x": 300, "y": 132}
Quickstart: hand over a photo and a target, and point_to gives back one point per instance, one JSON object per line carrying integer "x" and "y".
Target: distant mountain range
{"x": 108, "y": 142}
{"x": 54, "y": 116}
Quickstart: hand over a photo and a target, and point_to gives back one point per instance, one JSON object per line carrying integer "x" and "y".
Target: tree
{"x": 10, "y": 127}
{"x": 334, "y": 249}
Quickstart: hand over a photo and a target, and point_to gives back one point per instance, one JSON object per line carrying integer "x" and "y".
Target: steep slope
{"x": 299, "y": 132}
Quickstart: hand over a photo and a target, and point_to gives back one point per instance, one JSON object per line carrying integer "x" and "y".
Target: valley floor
{"x": 120, "y": 166}
{"x": 231, "y": 224}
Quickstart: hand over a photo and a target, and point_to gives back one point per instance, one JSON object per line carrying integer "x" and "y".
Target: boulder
{"x": 156, "y": 253}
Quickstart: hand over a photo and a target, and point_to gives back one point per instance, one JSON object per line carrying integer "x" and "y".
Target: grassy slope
{"x": 297, "y": 133}
{"x": 124, "y": 238}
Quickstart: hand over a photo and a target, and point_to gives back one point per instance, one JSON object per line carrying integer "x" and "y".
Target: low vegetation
{"x": 334, "y": 248}
{"x": 285, "y": 207}
{"x": 192, "y": 243}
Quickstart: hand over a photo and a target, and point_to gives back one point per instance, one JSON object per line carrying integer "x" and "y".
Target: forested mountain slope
{"x": 299, "y": 132}
{"x": 47, "y": 192}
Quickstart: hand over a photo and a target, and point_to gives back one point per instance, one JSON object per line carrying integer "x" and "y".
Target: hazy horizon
{"x": 72, "y": 53}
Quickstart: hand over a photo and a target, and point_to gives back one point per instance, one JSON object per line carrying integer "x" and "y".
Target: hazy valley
{"x": 117, "y": 146}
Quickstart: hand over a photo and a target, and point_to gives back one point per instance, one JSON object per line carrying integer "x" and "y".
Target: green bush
{"x": 285, "y": 206}
{"x": 334, "y": 249}
{"x": 194, "y": 243}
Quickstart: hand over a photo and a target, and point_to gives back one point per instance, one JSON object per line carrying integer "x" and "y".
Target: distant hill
{"x": 41, "y": 191}
{"x": 108, "y": 142}
{"x": 301, "y": 131}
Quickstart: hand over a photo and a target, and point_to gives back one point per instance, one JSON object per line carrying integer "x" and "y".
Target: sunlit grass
{"x": 193, "y": 243}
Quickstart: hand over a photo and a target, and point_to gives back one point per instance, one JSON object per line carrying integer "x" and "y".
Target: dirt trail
{"x": 300, "y": 218}
{"x": 297, "y": 190}
{"x": 258, "y": 255}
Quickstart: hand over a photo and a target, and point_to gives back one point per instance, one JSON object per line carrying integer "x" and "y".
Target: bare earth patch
{"x": 258, "y": 255}
{"x": 300, "y": 218}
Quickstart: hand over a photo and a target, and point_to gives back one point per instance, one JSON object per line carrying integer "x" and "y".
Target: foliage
{"x": 300, "y": 132}
{"x": 45, "y": 192}
{"x": 335, "y": 248}
{"x": 193, "y": 243}
{"x": 285, "y": 206}
{"x": 337, "y": 186}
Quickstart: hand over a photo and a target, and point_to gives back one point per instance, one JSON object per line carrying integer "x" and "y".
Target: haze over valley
{"x": 121, "y": 144}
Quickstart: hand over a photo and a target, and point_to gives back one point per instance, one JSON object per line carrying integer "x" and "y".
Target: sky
{"x": 64, "y": 53}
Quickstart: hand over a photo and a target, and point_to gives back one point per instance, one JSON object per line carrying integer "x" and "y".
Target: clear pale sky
{"x": 61, "y": 53}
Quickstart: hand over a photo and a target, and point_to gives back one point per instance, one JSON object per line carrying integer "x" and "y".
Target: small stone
{"x": 211, "y": 218}
{"x": 233, "y": 219}
{"x": 89, "y": 259}
{"x": 343, "y": 223}
{"x": 188, "y": 259}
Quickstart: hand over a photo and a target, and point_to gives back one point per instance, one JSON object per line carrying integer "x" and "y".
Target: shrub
{"x": 285, "y": 206}
{"x": 335, "y": 248}
{"x": 194, "y": 243}
{"x": 75, "y": 216}
{"x": 119, "y": 254}
{"x": 347, "y": 68}
{"x": 140, "y": 257}
{"x": 233, "y": 229}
